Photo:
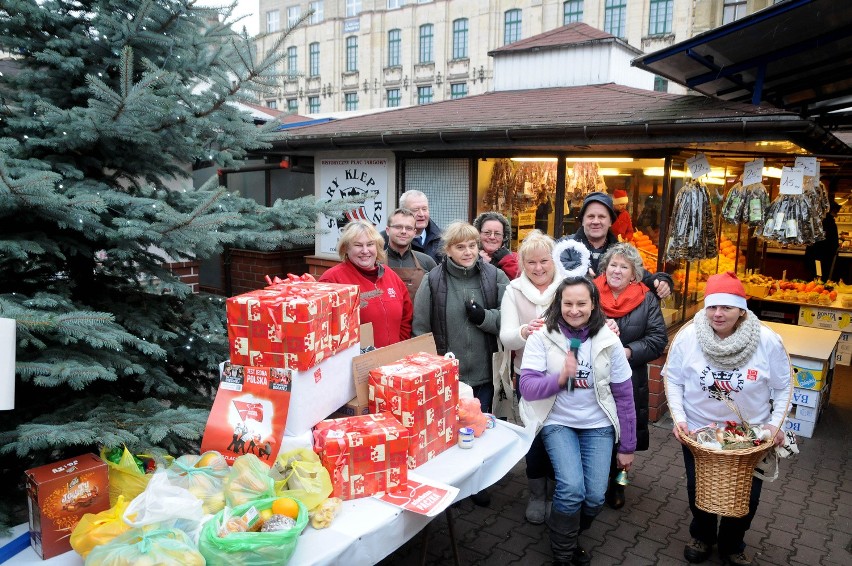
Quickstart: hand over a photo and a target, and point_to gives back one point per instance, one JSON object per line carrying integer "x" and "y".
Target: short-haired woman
{"x": 384, "y": 298}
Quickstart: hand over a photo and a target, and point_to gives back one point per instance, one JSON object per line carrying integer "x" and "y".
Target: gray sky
{"x": 252, "y": 22}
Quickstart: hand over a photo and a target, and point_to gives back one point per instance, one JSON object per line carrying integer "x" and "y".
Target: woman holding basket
{"x": 726, "y": 353}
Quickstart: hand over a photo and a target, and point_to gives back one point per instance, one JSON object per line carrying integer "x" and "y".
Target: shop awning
{"x": 795, "y": 55}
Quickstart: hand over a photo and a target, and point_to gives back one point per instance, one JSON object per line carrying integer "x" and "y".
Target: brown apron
{"x": 411, "y": 276}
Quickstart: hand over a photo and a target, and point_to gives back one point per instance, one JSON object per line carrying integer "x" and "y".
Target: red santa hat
{"x": 726, "y": 290}
{"x": 619, "y": 197}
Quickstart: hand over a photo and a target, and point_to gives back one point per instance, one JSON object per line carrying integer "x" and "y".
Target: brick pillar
{"x": 657, "y": 404}
{"x": 318, "y": 265}
{"x": 249, "y": 268}
{"x": 187, "y": 272}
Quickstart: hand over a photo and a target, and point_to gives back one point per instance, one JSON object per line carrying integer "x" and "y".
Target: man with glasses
{"x": 428, "y": 236}
{"x": 409, "y": 264}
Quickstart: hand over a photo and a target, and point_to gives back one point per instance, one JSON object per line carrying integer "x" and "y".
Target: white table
{"x": 367, "y": 530}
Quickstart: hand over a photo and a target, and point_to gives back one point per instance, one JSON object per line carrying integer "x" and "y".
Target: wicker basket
{"x": 723, "y": 477}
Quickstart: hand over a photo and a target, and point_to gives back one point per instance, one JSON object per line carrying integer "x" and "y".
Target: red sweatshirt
{"x": 386, "y": 303}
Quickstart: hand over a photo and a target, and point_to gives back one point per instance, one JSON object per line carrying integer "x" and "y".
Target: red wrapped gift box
{"x": 422, "y": 391}
{"x": 364, "y": 455}
{"x": 291, "y": 326}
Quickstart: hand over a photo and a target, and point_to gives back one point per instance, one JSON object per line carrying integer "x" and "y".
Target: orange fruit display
{"x": 286, "y": 506}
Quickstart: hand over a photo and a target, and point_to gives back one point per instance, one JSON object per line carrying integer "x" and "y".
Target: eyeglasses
{"x": 402, "y": 228}
{"x": 492, "y": 234}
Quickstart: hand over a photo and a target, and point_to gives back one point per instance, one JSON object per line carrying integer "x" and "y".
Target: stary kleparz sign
{"x": 340, "y": 178}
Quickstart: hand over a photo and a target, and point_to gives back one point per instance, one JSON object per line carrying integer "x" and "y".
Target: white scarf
{"x": 733, "y": 351}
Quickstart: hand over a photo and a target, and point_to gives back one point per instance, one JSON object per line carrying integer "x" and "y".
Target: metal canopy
{"x": 795, "y": 55}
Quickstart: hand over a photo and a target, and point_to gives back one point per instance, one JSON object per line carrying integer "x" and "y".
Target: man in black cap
{"x": 596, "y": 216}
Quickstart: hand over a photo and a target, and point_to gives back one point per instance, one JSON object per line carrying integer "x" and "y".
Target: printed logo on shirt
{"x": 751, "y": 375}
{"x": 584, "y": 376}
{"x": 715, "y": 382}
{"x": 392, "y": 293}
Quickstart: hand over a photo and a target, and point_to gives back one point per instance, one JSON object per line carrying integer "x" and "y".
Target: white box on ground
{"x": 319, "y": 391}
{"x": 809, "y": 414}
{"x": 806, "y": 397}
{"x": 799, "y": 427}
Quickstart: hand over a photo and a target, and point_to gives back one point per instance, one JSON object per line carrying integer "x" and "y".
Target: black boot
{"x": 615, "y": 495}
{"x": 563, "y": 536}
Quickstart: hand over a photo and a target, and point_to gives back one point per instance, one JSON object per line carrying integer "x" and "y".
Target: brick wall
{"x": 187, "y": 271}
{"x": 318, "y": 265}
{"x": 249, "y": 268}
{"x": 657, "y": 404}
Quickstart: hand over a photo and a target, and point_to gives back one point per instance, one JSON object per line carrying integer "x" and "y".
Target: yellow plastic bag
{"x": 125, "y": 477}
{"x": 302, "y": 476}
{"x": 95, "y": 529}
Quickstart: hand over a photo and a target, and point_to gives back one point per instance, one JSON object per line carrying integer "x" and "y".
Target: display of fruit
{"x": 285, "y": 506}
{"x": 647, "y": 250}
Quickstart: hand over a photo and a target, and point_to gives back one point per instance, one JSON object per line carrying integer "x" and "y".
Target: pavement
{"x": 804, "y": 517}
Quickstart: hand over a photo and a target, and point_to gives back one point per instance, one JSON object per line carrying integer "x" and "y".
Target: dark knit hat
{"x": 601, "y": 198}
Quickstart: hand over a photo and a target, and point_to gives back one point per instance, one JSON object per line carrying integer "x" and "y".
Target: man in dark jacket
{"x": 596, "y": 217}
{"x": 428, "y": 237}
{"x": 410, "y": 265}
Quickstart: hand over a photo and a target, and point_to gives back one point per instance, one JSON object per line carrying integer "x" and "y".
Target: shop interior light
{"x": 658, "y": 172}
{"x": 535, "y": 159}
{"x": 611, "y": 172}
{"x": 710, "y": 180}
{"x": 773, "y": 172}
{"x": 599, "y": 159}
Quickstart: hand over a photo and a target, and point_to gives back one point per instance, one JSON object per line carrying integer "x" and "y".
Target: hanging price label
{"x": 698, "y": 166}
{"x": 791, "y": 181}
{"x": 807, "y": 164}
{"x": 753, "y": 172}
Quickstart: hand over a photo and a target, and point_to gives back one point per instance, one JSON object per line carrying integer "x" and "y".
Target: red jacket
{"x": 509, "y": 265}
{"x": 623, "y": 226}
{"x": 386, "y": 303}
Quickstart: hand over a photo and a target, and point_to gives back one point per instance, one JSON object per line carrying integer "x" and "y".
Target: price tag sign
{"x": 753, "y": 172}
{"x": 698, "y": 166}
{"x": 807, "y": 164}
{"x": 791, "y": 180}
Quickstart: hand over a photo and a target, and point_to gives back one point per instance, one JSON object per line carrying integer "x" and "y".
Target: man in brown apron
{"x": 410, "y": 265}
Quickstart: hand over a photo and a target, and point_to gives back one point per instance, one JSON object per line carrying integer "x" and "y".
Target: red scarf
{"x": 627, "y": 300}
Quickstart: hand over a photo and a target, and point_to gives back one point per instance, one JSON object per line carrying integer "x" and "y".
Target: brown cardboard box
{"x": 58, "y": 495}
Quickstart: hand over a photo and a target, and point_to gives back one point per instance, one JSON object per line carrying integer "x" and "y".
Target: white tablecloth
{"x": 367, "y": 530}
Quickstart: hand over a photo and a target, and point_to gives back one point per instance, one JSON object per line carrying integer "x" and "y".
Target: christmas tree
{"x": 111, "y": 104}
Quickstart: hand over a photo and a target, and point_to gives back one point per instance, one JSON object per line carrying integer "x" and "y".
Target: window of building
{"x": 458, "y": 90}
{"x": 394, "y": 98}
{"x": 353, "y": 8}
{"x": 314, "y": 59}
{"x": 424, "y": 94}
{"x": 293, "y": 15}
{"x": 615, "y": 17}
{"x": 292, "y": 61}
{"x": 394, "y": 4}
{"x": 351, "y": 100}
{"x": 272, "y": 104}
{"x": 394, "y": 48}
{"x": 460, "y": 38}
{"x": 733, "y": 10}
{"x": 661, "y": 84}
{"x": 660, "y": 19}
{"x": 572, "y": 11}
{"x": 426, "y": 38}
{"x": 272, "y": 21}
{"x": 292, "y": 105}
{"x": 511, "y": 26}
{"x": 351, "y": 54}
{"x": 313, "y": 104}
{"x": 316, "y": 17}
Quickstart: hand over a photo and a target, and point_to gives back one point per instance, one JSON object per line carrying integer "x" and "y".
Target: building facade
{"x": 358, "y": 55}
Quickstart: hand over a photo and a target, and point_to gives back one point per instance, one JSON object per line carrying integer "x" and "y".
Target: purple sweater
{"x": 535, "y": 385}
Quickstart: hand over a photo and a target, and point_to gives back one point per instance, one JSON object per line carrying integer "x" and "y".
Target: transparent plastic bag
{"x": 206, "y": 482}
{"x": 125, "y": 476}
{"x": 692, "y": 235}
{"x": 302, "y": 476}
{"x": 96, "y": 529}
{"x": 165, "y": 506}
{"x": 138, "y": 547}
{"x": 248, "y": 480}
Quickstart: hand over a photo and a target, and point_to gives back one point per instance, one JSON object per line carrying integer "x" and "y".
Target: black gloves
{"x": 498, "y": 256}
{"x": 475, "y": 312}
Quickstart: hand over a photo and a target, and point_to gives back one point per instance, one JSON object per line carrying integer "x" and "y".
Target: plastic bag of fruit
{"x": 96, "y": 529}
{"x": 301, "y": 475}
{"x": 253, "y": 534}
{"x": 248, "y": 480}
{"x": 203, "y": 476}
{"x": 138, "y": 547}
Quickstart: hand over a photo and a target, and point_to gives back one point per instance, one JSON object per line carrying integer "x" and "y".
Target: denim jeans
{"x": 580, "y": 459}
{"x": 485, "y": 394}
{"x": 731, "y": 530}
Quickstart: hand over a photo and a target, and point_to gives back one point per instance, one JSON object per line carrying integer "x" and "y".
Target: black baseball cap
{"x": 601, "y": 198}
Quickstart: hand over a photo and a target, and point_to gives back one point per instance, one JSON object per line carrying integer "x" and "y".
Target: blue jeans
{"x": 731, "y": 530}
{"x": 580, "y": 458}
{"x": 485, "y": 394}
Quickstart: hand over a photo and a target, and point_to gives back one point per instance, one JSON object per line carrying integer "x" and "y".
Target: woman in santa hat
{"x": 725, "y": 354}
{"x": 622, "y": 228}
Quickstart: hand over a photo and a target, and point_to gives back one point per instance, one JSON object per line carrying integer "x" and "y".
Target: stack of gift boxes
{"x": 303, "y": 326}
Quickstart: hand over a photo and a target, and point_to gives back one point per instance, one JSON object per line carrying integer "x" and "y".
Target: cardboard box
{"x": 292, "y": 326}
{"x": 844, "y": 347}
{"x": 828, "y": 318}
{"x": 364, "y": 455}
{"x": 799, "y": 427}
{"x": 843, "y": 358}
{"x": 421, "y": 390}
{"x": 809, "y": 373}
{"x": 807, "y": 398}
{"x": 352, "y": 409}
{"x": 809, "y": 414}
{"x": 58, "y": 495}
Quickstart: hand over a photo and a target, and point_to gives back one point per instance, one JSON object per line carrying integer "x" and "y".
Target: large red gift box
{"x": 293, "y": 326}
{"x": 422, "y": 391}
{"x": 364, "y": 455}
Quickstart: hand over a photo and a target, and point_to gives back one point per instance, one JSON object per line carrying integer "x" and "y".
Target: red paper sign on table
{"x": 422, "y": 391}
{"x": 364, "y": 455}
{"x": 249, "y": 413}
